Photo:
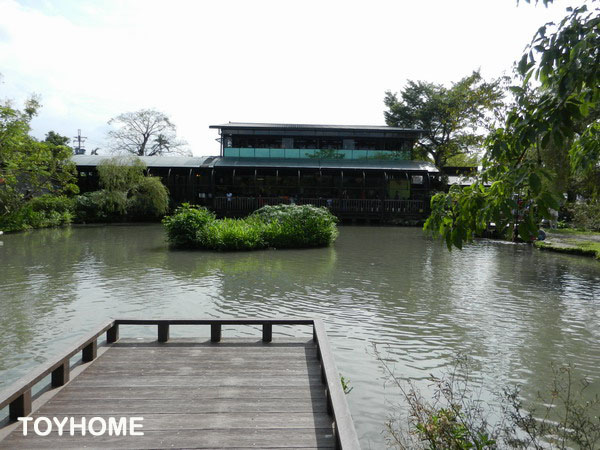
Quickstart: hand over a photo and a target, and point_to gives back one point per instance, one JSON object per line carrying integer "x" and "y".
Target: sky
{"x": 214, "y": 61}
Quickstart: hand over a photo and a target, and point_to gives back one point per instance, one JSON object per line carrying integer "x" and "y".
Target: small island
{"x": 280, "y": 226}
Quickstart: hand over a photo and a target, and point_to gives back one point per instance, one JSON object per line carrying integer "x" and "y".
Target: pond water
{"x": 513, "y": 309}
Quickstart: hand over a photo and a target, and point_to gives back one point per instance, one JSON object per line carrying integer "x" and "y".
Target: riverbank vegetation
{"x": 574, "y": 242}
{"x": 551, "y": 132}
{"x": 127, "y": 194}
{"x": 457, "y": 417}
{"x": 37, "y": 181}
{"x": 451, "y": 118}
{"x": 37, "y": 178}
{"x": 281, "y": 226}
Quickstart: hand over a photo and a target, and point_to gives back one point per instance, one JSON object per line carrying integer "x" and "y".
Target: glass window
{"x": 416, "y": 179}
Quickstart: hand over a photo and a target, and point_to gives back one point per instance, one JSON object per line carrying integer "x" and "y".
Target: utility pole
{"x": 80, "y": 149}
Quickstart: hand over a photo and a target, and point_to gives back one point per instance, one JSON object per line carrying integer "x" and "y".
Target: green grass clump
{"x": 282, "y": 226}
{"x": 232, "y": 234}
{"x": 583, "y": 248}
{"x": 573, "y": 231}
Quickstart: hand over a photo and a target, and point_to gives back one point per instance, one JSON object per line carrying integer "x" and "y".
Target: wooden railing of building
{"x": 337, "y": 206}
{"x": 18, "y": 397}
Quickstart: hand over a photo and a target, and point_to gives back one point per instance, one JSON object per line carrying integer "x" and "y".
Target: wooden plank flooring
{"x": 242, "y": 394}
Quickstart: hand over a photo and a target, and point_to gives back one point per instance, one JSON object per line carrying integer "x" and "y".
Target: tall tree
{"x": 555, "y": 113}
{"x": 28, "y": 167}
{"x": 146, "y": 132}
{"x": 52, "y": 137}
{"x": 452, "y": 119}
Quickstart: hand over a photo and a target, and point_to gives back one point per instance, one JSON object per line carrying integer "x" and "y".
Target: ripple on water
{"x": 512, "y": 309}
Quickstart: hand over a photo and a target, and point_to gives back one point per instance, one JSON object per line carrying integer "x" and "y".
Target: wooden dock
{"x": 220, "y": 393}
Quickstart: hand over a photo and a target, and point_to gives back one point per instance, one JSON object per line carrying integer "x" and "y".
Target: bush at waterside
{"x": 40, "y": 212}
{"x": 127, "y": 194}
{"x": 282, "y": 226}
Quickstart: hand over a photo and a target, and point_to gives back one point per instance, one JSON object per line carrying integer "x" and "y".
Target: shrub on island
{"x": 184, "y": 226}
{"x": 281, "y": 226}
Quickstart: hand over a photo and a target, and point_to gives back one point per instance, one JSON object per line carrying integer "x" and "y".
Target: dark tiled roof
{"x": 281, "y": 163}
{"x": 308, "y": 127}
{"x": 150, "y": 161}
{"x": 358, "y": 164}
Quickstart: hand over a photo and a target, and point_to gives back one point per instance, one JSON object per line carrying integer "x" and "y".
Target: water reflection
{"x": 513, "y": 309}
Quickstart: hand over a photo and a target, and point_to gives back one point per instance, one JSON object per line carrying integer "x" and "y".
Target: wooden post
{"x": 61, "y": 375}
{"x": 163, "y": 332}
{"x": 215, "y": 332}
{"x": 90, "y": 351}
{"x": 20, "y": 406}
{"x": 267, "y": 332}
{"x": 112, "y": 334}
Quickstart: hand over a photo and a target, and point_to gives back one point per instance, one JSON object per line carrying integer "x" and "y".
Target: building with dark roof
{"x": 356, "y": 171}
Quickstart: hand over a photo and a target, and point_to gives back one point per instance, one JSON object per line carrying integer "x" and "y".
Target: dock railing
{"x": 18, "y": 397}
{"x": 245, "y": 205}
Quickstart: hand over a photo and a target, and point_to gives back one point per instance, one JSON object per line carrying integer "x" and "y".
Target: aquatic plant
{"x": 456, "y": 417}
{"x": 282, "y": 226}
{"x": 289, "y": 226}
{"x": 185, "y": 224}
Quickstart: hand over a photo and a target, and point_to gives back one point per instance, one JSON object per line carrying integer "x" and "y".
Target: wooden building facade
{"x": 357, "y": 172}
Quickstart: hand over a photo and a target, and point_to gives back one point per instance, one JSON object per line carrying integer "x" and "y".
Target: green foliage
{"x": 56, "y": 139}
{"x": 121, "y": 173}
{"x": 29, "y": 168}
{"x": 232, "y": 234}
{"x": 446, "y": 428}
{"x": 571, "y": 247}
{"x": 456, "y": 417}
{"x": 34, "y": 176}
{"x": 516, "y": 186}
{"x": 183, "y": 226}
{"x": 289, "y": 226}
{"x": 327, "y": 153}
{"x": 283, "y": 226}
{"x": 51, "y": 203}
{"x": 101, "y": 206}
{"x": 346, "y": 384}
{"x": 40, "y": 212}
{"x": 450, "y": 117}
{"x": 586, "y": 215}
{"x": 127, "y": 193}
{"x": 149, "y": 197}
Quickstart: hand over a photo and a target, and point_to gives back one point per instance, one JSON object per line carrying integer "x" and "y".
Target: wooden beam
{"x": 163, "y": 332}
{"x": 112, "y": 334}
{"x": 90, "y": 351}
{"x": 61, "y": 375}
{"x": 215, "y": 332}
{"x": 267, "y": 332}
{"x": 20, "y": 407}
{"x": 344, "y": 427}
{"x": 14, "y": 391}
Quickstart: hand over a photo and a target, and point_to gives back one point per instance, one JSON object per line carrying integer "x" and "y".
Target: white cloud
{"x": 210, "y": 62}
